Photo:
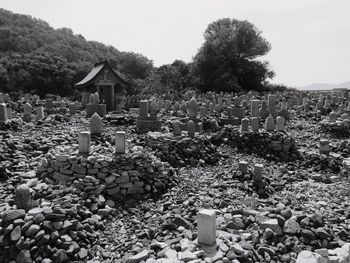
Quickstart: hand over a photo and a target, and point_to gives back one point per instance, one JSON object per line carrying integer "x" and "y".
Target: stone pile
{"x": 332, "y": 163}
{"x": 135, "y": 174}
{"x": 183, "y": 152}
{"x": 60, "y": 230}
{"x": 340, "y": 254}
{"x": 339, "y": 129}
{"x": 271, "y": 144}
{"x": 245, "y": 235}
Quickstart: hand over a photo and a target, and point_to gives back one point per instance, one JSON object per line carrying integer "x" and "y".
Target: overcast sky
{"x": 310, "y": 38}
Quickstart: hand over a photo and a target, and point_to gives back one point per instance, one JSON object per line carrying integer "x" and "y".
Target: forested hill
{"x": 37, "y": 57}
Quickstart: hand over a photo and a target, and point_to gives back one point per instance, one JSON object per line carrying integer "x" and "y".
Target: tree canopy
{"x": 227, "y": 59}
{"x": 26, "y": 41}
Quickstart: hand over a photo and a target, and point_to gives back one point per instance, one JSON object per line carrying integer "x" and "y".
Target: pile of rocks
{"x": 332, "y": 163}
{"x": 270, "y": 145}
{"x": 11, "y": 124}
{"x": 136, "y": 174}
{"x": 120, "y": 119}
{"x": 339, "y": 129}
{"x": 341, "y": 147}
{"x": 57, "y": 231}
{"x": 184, "y": 151}
{"x": 244, "y": 235}
{"x": 340, "y": 254}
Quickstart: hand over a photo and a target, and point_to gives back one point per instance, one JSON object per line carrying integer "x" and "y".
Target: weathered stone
{"x": 3, "y": 112}
{"x": 206, "y": 221}
{"x": 84, "y": 142}
{"x": 95, "y": 124}
{"x": 269, "y": 123}
{"x": 120, "y": 142}
{"x": 291, "y": 226}
{"x": 191, "y": 129}
{"x": 177, "y": 128}
{"x": 23, "y": 198}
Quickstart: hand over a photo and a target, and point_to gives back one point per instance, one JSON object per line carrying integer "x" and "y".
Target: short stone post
{"x": 270, "y": 123}
{"x": 324, "y": 147}
{"x": 192, "y": 108}
{"x": 280, "y": 123}
{"x": 191, "y": 128}
{"x": 40, "y": 112}
{"x": 243, "y": 167}
{"x": 27, "y": 112}
{"x": 120, "y": 142}
{"x": 23, "y": 199}
{"x": 143, "y": 108}
{"x": 255, "y": 123}
{"x": 3, "y": 112}
{"x": 206, "y": 222}
{"x": 84, "y": 142}
{"x": 271, "y": 102}
{"x": 257, "y": 174}
{"x": 177, "y": 128}
{"x": 9, "y": 113}
{"x": 254, "y": 104}
{"x": 244, "y": 125}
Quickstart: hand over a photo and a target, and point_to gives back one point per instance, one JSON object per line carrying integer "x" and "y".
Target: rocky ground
{"x": 304, "y": 204}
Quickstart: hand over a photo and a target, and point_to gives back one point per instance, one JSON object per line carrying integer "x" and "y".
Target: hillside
{"x": 323, "y": 86}
{"x": 35, "y": 56}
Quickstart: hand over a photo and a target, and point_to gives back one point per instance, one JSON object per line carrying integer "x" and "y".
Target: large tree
{"x": 227, "y": 59}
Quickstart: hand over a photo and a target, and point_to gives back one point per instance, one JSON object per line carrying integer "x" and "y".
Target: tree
{"x": 135, "y": 65}
{"x": 227, "y": 59}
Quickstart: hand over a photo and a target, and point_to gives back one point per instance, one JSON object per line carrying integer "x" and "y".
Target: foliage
{"x": 227, "y": 59}
{"x": 38, "y": 71}
{"x": 172, "y": 78}
{"x": 39, "y": 45}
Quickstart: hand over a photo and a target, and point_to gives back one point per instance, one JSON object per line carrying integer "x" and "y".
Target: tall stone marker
{"x": 3, "y": 112}
{"x": 254, "y": 104}
{"x": 120, "y": 143}
{"x": 84, "y": 142}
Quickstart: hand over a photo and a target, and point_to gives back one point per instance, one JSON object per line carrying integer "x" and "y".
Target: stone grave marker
{"x": 280, "y": 121}
{"x": 206, "y": 222}
{"x": 95, "y": 124}
{"x": 270, "y": 123}
{"x": 120, "y": 142}
{"x": 3, "y": 112}
{"x": 84, "y": 142}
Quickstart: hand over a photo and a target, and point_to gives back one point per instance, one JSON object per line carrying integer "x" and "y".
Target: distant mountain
{"x": 324, "y": 86}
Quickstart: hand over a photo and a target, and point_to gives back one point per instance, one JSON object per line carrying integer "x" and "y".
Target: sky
{"x": 310, "y": 38}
